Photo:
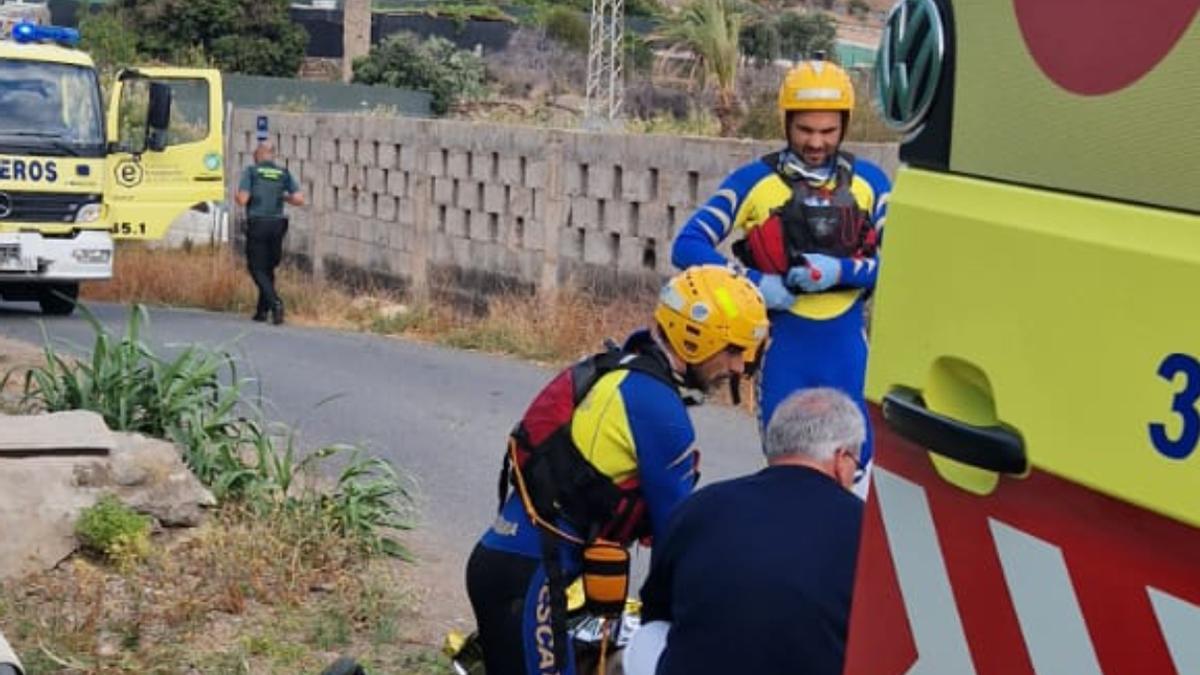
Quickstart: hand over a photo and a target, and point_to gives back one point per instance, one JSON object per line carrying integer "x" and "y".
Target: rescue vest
{"x": 557, "y": 481}
{"x": 813, "y": 220}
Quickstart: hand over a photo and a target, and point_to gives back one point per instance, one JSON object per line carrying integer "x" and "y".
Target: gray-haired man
{"x": 754, "y": 575}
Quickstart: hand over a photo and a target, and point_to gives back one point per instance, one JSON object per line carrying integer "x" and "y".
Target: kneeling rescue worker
{"x": 600, "y": 459}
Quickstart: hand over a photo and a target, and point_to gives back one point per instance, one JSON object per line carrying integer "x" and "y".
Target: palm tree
{"x": 709, "y": 30}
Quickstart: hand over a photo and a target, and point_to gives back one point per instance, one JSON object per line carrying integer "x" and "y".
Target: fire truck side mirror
{"x": 158, "y": 117}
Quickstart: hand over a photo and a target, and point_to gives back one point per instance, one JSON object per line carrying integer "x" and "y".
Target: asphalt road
{"x": 440, "y": 414}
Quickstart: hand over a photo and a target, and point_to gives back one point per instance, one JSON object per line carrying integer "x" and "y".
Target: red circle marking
{"x": 1095, "y": 47}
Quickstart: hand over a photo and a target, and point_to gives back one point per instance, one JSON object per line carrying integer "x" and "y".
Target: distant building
{"x": 15, "y": 12}
{"x": 855, "y": 55}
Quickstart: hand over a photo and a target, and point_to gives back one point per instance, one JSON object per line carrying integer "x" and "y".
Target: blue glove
{"x": 828, "y": 273}
{"x": 776, "y": 295}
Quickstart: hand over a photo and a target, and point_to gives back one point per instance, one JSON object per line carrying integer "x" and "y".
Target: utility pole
{"x": 606, "y": 64}
{"x": 356, "y": 34}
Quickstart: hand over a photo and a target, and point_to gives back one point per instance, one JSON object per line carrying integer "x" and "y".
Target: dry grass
{"x": 554, "y": 330}
{"x": 210, "y": 278}
{"x": 243, "y": 595}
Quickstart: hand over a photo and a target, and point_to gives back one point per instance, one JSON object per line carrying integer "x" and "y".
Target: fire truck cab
{"x": 73, "y": 178}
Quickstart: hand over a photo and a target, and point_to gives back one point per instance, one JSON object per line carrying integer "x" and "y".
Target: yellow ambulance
{"x": 1035, "y": 347}
{"x": 73, "y": 178}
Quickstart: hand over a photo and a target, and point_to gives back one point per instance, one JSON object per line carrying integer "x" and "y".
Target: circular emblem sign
{"x": 212, "y": 161}
{"x": 908, "y": 66}
{"x": 1096, "y": 48}
{"x": 128, "y": 173}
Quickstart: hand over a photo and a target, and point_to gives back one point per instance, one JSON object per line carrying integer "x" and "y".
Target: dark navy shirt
{"x": 755, "y": 575}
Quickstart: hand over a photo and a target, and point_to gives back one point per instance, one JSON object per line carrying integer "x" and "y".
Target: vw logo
{"x": 908, "y": 66}
{"x": 5, "y": 205}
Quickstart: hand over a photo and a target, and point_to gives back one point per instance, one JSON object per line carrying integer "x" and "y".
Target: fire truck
{"x": 73, "y": 178}
{"x": 1035, "y": 364}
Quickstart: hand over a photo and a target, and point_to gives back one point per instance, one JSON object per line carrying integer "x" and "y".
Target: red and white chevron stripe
{"x": 1042, "y": 576}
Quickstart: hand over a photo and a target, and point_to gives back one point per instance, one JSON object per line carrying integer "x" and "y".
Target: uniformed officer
{"x": 263, "y": 189}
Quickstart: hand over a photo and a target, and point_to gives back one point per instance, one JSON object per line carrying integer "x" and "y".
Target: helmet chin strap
{"x": 735, "y": 389}
{"x": 694, "y": 391}
{"x": 679, "y": 368}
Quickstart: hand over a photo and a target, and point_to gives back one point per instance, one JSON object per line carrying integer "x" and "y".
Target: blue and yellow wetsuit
{"x": 821, "y": 340}
{"x": 630, "y": 424}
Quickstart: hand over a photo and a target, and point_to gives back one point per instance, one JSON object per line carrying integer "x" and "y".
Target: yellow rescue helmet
{"x": 708, "y": 308}
{"x": 816, "y": 85}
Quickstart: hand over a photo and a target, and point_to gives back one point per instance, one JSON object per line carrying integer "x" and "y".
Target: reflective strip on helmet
{"x": 672, "y": 298}
{"x": 725, "y": 302}
{"x": 818, "y": 94}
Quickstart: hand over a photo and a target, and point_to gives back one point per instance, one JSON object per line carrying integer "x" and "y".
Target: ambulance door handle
{"x": 993, "y": 448}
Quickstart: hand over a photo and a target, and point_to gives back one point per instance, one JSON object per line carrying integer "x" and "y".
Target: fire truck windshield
{"x": 49, "y": 109}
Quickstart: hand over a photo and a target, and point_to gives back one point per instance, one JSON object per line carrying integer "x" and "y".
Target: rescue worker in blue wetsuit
{"x": 600, "y": 459}
{"x": 810, "y": 215}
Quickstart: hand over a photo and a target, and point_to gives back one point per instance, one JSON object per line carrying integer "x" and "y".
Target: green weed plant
{"x": 115, "y": 531}
{"x": 197, "y": 400}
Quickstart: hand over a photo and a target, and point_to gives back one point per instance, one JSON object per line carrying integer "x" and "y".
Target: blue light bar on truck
{"x": 26, "y": 32}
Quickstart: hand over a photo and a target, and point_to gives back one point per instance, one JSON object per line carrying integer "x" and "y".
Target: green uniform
{"x": 268, "y": 185}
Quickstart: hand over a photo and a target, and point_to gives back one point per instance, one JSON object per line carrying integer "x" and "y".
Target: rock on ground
{"x": 43, "y": 489}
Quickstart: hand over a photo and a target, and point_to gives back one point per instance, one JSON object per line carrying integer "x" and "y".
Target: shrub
{"x": 533, "y": 65}
{"x": 434, "y": 65}
{"x": 698, "y": 122}
{"x": 106, "y": 37}
{"x": 567, "y": 26}
{"x": 762, "y": 121}
{"x": 760, "y": 87}
{"x": 257, "y": 38}
{"x": 759, "y": 40}
{"x": 645, "y": 100}
{"x": 640, "y": 8}
{"x": 639, "y": 54}
{"x": 648, "y": 8}
{"x": 111, "y": 529}
{"x": 800, "y": 35}
{"x": 767, "y": 36}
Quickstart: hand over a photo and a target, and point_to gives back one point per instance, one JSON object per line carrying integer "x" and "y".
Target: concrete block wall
{"x": 445, "y": 205}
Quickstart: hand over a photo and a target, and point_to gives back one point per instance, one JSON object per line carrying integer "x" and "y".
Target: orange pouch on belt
{"x": 605, "y": 578}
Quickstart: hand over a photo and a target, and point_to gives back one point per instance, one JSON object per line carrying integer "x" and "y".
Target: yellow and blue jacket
{"x": 747, "y": 198}
{"x": 631, "y": 426}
